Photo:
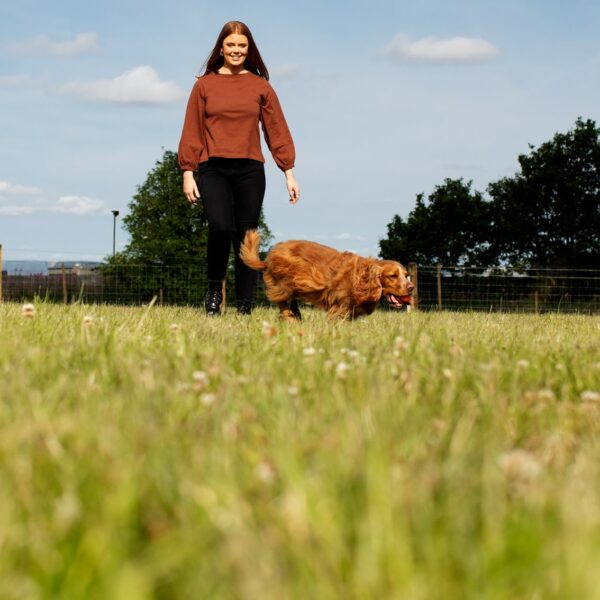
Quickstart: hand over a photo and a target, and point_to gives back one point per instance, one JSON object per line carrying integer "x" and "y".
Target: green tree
{"x": 548, "y": 214}
{"x": 166, "y": 252}
{"x": 448, "y": 228}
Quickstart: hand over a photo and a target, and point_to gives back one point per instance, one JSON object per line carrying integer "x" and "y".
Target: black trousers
{"x": 232, "y": 191}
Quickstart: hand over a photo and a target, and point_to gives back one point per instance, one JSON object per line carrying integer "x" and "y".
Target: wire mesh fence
{"x": 507, "y": 289}
{"x": 437, "y": 287}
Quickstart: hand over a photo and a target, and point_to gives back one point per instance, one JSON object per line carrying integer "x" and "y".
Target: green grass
{"x": 456, "y": 456}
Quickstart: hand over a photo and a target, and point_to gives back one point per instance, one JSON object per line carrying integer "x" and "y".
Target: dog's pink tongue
{"x": 393, "y": 299}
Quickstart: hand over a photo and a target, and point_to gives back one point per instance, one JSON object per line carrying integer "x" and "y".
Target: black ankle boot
{"x": 244, "y": 307}
{"x": 213, "y": 299}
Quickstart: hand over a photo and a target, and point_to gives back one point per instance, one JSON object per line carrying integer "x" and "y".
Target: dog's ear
{"x": 367, "y": 281}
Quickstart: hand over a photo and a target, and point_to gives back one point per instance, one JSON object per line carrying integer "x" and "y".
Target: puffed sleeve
{"x": 276, "y": 132}
{"x": 191, "y": 144}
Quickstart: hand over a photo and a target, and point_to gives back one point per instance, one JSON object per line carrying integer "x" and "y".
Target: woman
{"x": 221, "y": 140}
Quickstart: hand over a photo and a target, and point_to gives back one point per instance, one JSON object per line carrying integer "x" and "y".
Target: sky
{"x": 384, "y": 98}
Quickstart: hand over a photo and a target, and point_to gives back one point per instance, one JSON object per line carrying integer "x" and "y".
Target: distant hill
{"x": 25, "y": 267}
{"x": 40, "y": 267}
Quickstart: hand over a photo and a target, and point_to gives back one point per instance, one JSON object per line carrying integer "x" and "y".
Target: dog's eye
{"x": 393, "y": 276}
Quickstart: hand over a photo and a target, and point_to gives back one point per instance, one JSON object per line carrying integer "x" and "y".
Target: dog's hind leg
{"x": 295, "y": 309}
{"x": 286, "y": 313}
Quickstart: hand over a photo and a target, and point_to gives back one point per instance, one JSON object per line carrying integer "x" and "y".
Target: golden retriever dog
{"x": 342, "y": 283}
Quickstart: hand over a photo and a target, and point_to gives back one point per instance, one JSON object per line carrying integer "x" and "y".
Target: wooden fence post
{"x": 439, "y": 286}
{"x": 64, "y": 285}
{"x": 413, "y": 273}
{"x": 536, "y": 302}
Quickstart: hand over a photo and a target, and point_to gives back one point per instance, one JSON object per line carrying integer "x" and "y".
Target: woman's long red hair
{"x": 253, "y": 63}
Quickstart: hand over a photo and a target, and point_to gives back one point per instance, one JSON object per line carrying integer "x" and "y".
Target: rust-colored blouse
{"x": 222, "y": 119}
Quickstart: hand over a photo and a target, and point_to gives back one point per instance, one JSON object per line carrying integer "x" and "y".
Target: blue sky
{"x": 385, "y": 99}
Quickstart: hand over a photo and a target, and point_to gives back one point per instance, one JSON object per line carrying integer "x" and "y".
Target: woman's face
{"x": 235, "y": 50}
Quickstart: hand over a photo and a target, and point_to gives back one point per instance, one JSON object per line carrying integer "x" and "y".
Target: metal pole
{"x": 115, "y": 215}
{"x": 439, "y": 286}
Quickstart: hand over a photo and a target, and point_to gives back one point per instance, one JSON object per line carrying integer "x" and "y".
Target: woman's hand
{"x": 190, "y": 189}
{"x": 292, "y": 186}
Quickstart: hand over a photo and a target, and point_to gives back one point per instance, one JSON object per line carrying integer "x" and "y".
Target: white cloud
{"x": 31, "y": 200}
{"x": 16, "y": 211}
{"x": 140, "y": 85}
{"x": 14, "y": 80}
{"x": 78, "y": 205}
{"x": 83, "y": 43}
{"x": 11, "y": 189}
{"x": 431, "y": 49}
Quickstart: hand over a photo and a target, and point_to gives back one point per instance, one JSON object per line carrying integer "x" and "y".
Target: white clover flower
{"x": 293, "y": 390}
{"x": 522, "y": 364}
{"x": 310, "y": 351}
{"x": 28, "y": 310}
{"x": 341, "y": 370}
{"x": 400, "y": 344}
{"x": 268, "y": 329}
{"x": 265, "y": 472}
{"x": 88, "y": 320}
{"x": 448, "y": 374}
{"x": 590, "y": 396}
{"x": 208, "y": 399}
{"x": 519, "y": 465}
{"x": 173, "y": 327}
{"x": 200, "y": 380}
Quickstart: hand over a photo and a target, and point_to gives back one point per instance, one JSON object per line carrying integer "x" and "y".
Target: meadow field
{"x": 152, "y": 452}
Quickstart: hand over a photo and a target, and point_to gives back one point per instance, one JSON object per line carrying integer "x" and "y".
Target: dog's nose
{"x": 410, "y": 287}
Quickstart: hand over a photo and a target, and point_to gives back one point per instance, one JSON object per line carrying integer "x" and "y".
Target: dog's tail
{"x": 249, "y": 251}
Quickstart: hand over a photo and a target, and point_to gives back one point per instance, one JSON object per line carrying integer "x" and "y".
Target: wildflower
{"x": 265, "y": 472}
{"x": 590, "y": 396}
{"x": 522, "y": 364}
{"x": 456, "y": 351}
{"x": 28, "y": 311}
{"x": 400, "y": 345}
{"x": 268, "y": 329}
{"x": 200, "y": 380}
{"x": 208, "y": 399}
{"x": 88, "y": 320}
{"x": 173, "y": 327}
{"x": 519, "y": 465}
{"x": 353, "y": 354}
{"x": 448, "y": 374}
{"x": 310, "y": 351}
{"x": 293, "y": 390}
{"x": 213, "y": 370}
{"x": 341, "y": 370}
{"x": 543, "y": 395}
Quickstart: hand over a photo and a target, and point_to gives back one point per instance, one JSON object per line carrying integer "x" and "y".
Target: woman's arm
{"x": 292, "y": 186}
{"x": 190, "y": 188}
